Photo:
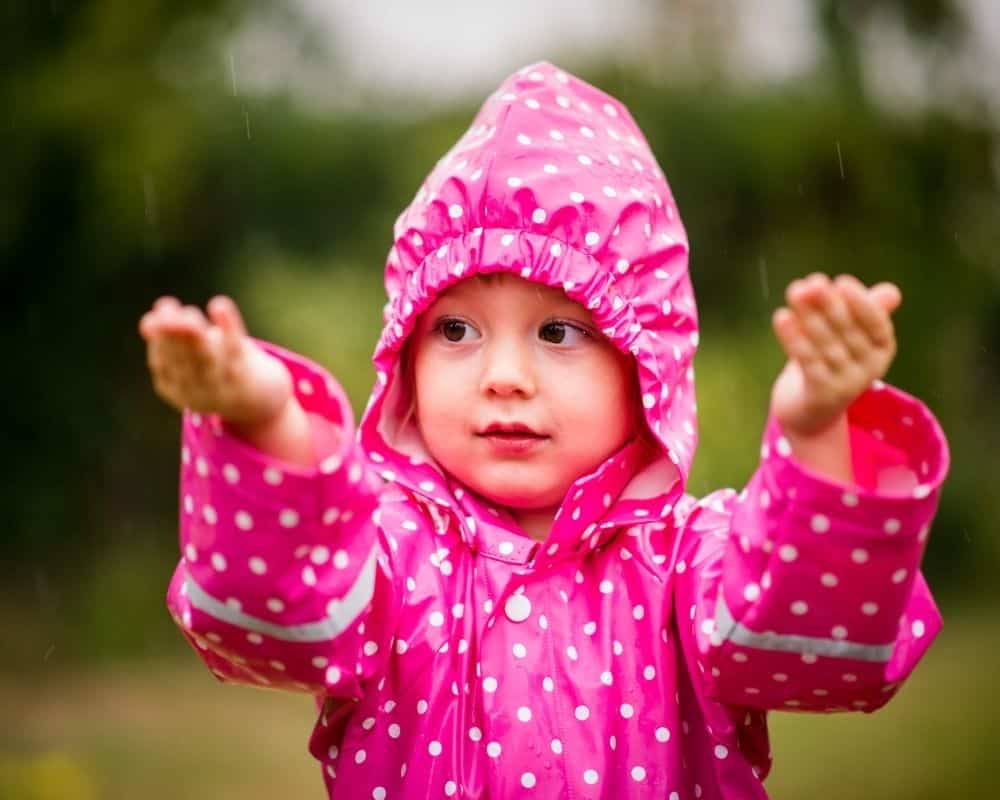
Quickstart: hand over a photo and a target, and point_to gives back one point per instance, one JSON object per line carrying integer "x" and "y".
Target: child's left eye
{"x": 562, "y": 333}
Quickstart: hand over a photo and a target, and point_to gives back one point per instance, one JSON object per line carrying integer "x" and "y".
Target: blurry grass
{"x": 167, "y": 729}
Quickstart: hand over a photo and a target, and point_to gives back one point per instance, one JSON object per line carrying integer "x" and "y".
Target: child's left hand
{"x": 839, "y": 337}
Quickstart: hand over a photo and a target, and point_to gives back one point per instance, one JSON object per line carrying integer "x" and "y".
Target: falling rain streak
{"x": 840, "y": 160}
{"x": 762, "y": 268}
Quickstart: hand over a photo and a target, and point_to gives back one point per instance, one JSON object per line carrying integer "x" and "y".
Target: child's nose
{"x": 508, "y": 370}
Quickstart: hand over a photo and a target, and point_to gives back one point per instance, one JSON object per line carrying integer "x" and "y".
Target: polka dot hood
{"x": 636, "y": 651}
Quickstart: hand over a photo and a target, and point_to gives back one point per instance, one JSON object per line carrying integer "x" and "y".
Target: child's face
{"x": 497, "y": 355}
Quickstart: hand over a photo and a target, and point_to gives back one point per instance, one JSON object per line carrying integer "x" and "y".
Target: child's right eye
{"x": 454, "y": 330}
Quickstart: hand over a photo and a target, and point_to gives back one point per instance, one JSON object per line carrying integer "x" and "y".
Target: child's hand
{"x": 839, "y": 337}
{"x": 211, "y": 365}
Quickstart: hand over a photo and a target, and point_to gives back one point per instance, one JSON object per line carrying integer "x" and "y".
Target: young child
{"x": 499, "y": 587}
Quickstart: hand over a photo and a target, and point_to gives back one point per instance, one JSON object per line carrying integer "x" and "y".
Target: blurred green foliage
{"x": 134, "y": 167}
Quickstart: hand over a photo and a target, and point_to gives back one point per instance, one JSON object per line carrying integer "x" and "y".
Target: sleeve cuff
{"x": 899, "y": 457}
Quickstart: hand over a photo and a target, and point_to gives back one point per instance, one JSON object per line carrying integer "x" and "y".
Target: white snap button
{"x": 517, "y": 608}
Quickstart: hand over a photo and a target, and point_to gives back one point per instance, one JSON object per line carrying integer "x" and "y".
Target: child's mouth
{"x": 512, "y": 439}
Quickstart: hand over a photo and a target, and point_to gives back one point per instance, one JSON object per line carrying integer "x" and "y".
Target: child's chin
{"x": 524, "y": 500}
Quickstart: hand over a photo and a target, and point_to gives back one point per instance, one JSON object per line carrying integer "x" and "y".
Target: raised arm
{"x": 284, "y": 579}
{"x": 804, "y": 590}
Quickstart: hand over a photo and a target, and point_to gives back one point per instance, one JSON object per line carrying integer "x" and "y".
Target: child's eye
{"x": 562, "y": 333}
{"x": 454, "y": 330}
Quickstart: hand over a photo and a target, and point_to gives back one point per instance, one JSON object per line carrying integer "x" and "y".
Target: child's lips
{"x": 512, "y": 439}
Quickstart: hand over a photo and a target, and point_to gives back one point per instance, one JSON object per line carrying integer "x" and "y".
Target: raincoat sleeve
{"x": 806, "y": 594}
{"x": 283, "y": 579}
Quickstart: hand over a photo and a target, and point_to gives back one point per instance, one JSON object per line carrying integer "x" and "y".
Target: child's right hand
{"x": 211, "y": 365}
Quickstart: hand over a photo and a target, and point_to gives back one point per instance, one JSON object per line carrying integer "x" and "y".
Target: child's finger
{"x": 887, "y": 295}
{"x": 810, "y": 302}
{"x": 797, "y": 345}
{"x": 851, "y": 340}
{"x": 224, "y": 313}
{"x": 868, "y": 311}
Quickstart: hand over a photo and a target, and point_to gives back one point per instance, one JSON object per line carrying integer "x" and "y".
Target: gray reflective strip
{"x": 737, "y": 633}
{"x": 339, "y": 614}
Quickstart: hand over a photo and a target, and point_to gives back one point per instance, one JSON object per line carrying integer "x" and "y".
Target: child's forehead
{"x": 489, "y": 287}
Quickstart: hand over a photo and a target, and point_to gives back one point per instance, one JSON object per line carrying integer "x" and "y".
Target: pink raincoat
{"x": 634, "y": 652}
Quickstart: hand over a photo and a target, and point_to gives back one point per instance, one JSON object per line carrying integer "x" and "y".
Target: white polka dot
{"x": 859, "y": 555}
{"x": 606, "y": 587}
{"x": 556, "y": 250}
{"x": 626, "y": 710}
{"x": 209, "y": 515}
{"x": 576, "y": 197}
{"x": 308, "y": 576}
{"x": 288, "y": 518}
{"x": 538, "y": 215}
{"x": 475, "y": 734}
{"x": 899, "y": 576}
{"x": 489, "y": 685}
{"x": 721, "y": 751}
{"x": 581, "y": 713}
{"x": 243, "y": 520}
{"x": 434, "y": 748}
{"x": 572, "y": 653}
{"x": 820, "y": 523}
{"x": 506, "y": 548}
{"x": 319, "y": 555}
{"x": 493, "y": 749}
{"x": 550, "y": 169}
{"x": 273, "y": 476}
{"x": 870, "y": 609}
{"x": 528, "y": 780}
{"x": 257, "y": 565}
{"x": 341, "y": 559}
{"x": 520, "y": 651}
{"x": 638, "y": 773}
{"x": 751, "y": 592}
{"x": 788, "y": 552}
{"x": 370, "y": 648}
{"x": 918, "y": 628}
{"x": 455, "y": 211}
{"x": 783, "y": 447}
{"x": 891, "y": 526}
{"x": 606, "y": 678}
{"x": 378, "y": 793}
{"x": 799, "y": 607}
{"x": 590, "y": 776}
{"x": 662, "y": 734}
{"x": 828, "y": 579}
{"x": 254, "y": 638}
{"x": 218, "y": 562}
{"x": 276, "y": 606}
{"x": 638, "y": 612}
{"x": 849, "y": 499}
{"x": 649, "y": 672}
{"x": 524, "y": 714}
{"x": 779, "y": 677}
{"x": 838, "y": 632}
{"x": 436, "y": 619}
{"x": 421, "y": 706}
{"x": 360, "y": 756}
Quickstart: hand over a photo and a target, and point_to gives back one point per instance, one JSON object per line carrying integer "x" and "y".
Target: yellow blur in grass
{"x": 45, "y": 776}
